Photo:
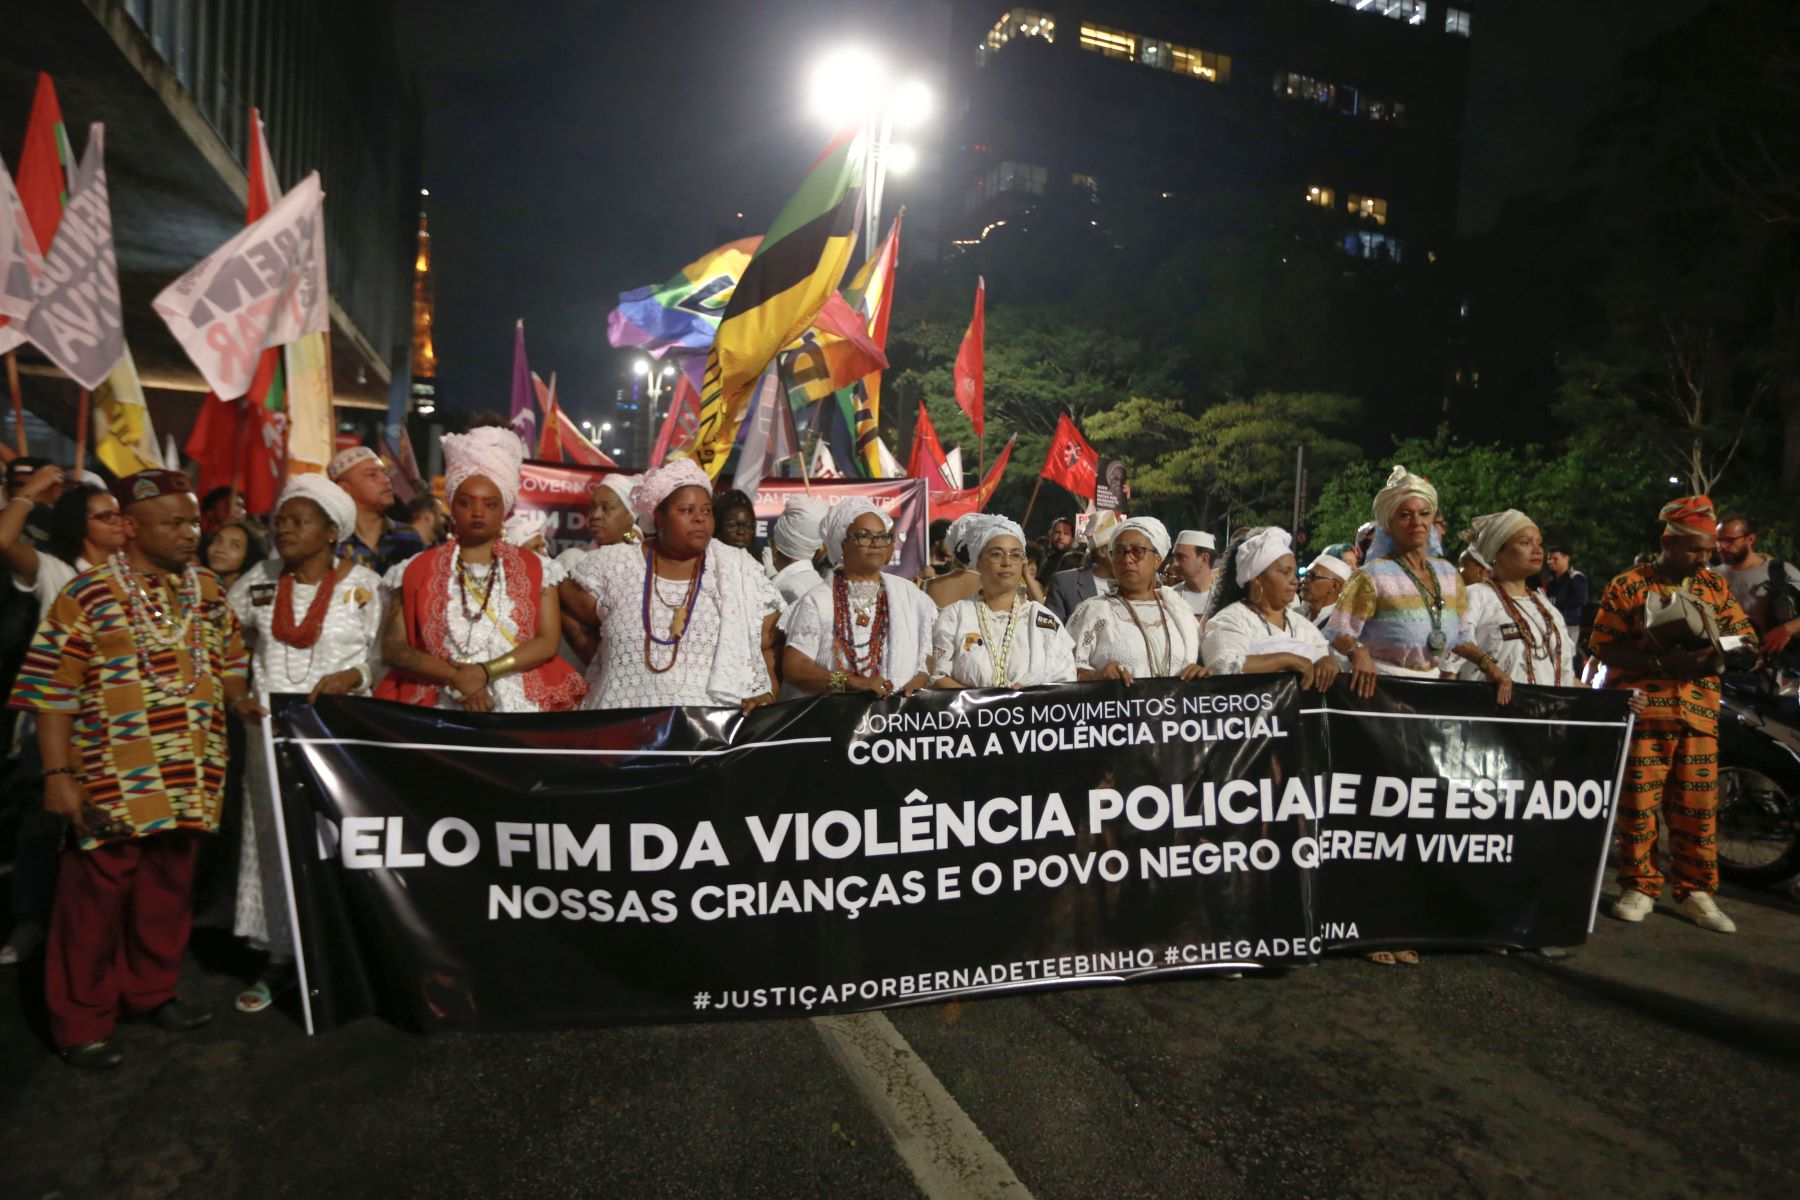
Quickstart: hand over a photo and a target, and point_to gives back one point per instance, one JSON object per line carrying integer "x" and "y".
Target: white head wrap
{"x": 1402, "y": 485}
{"x": 1332, "y": 565}
{"x": 795, "y": 533}
{"x": 836, "y": 525}
{"x": 493, "y": 453}
{"x": 521, "y": 527}
{"x": 1150, "y": 527}
{"x": 1260, "y": 550}
{"x": 621, "y": 485}
{"x": 659, "y": 483}
{"x": 957, "y": 536}
{"x": 1197, "y": 537}
{"x": 336, "y": 503}
{"x": 997, "y": 527}
{"x": 1102, "y": 529}
{"x": 1492, "y": 531}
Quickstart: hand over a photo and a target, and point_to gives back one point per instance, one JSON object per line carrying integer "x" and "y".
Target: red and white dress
{"x": 492, "y": 612}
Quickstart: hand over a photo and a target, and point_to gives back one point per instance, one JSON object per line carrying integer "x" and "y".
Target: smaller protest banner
{"x": 76, "y": 320}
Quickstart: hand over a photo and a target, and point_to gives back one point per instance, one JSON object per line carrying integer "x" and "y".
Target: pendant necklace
{"x": 1436, "y": 640}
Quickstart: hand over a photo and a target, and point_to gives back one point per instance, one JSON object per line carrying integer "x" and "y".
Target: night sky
{"x": 577, "y": 149}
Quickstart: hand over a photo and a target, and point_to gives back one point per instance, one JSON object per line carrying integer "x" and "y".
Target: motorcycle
{"x": 1759, "y": 777}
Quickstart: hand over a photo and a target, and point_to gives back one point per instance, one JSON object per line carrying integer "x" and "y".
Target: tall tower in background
{"x": 424, "y": 306}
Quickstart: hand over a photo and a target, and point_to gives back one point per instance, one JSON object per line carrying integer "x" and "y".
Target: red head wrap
{"x": 1690, "y": 514}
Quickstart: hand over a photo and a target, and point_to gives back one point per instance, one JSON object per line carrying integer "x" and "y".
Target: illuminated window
{"x": 1088, "y": 184}
{"x": 1410, "y": 11}
{"x": 1154, "y": 52}
{"x": 1114, "y": 43}
{"x": 1338, "y": 97}
{"x": 1021, "y": 23}
{"x": 1017, "y": 177}
{"x": 1369, "y": 208}
{"x": 1377, "y": 247}
{"x": 1456, "y": 21}
{"x": 1324, "y": 197}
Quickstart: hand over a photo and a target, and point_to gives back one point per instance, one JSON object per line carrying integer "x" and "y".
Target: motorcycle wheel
{"x": 1758, "y": 817}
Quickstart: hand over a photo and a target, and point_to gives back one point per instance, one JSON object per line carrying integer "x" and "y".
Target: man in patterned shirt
{"x": 1674, "y": 756}
{"x": 130, "y": 674}
{"x": 378, "y": 541}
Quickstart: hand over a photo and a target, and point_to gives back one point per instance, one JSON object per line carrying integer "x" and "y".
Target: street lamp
{"x": 853, "y": 86}
{"x": 656, "y": 378}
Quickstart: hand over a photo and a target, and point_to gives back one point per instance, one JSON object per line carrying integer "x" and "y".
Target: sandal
{"x": 1382, "y": 958}
{"x": 1409, "y": 958}
{"x": 255, "y": 998}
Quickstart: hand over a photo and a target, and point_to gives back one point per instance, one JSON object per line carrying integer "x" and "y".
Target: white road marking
{"x": 947, "y": 1155}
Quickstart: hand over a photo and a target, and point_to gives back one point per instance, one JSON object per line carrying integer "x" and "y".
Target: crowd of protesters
{"x": 147, "y": 629}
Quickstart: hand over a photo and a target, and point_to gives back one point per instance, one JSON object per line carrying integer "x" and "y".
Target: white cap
{"x": 1196, "y": 537}
{"x": 1331, "y": 564}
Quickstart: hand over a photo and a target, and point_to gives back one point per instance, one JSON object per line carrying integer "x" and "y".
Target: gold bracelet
{"x": 840, "y": 681}
{"x": 504, "y": 665}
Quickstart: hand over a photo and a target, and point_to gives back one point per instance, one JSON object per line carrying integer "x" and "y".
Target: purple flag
{"x": 524, "y": 405}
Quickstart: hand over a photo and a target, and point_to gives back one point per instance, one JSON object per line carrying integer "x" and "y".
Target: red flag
{"x": 683, "y": 419}
{"x": 1071, "y": 462}
{"x": 952, "y": 504}
{"x": 927, "y": 458}
{"x": 214, "y": 444}
{"x": 968, "y": 362}
{"x": 549, "y": 447}
{"x": 574, "y": 447}
{"x": 45, "y": 161}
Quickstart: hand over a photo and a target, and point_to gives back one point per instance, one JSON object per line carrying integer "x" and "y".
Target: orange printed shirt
{"x": 1672, "y": 703}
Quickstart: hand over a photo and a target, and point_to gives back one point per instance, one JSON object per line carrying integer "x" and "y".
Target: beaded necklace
{"x": 843, "y": 649}
{"x": 678, "y": 622}
{"x": 153, "y": 629}
{"x": 1550, "y": 649}
{"x": 486, "y": 594}
{"x": 1435, "y": 641}
{"x": 1168, "y": 636}
{"x": 1003, "y": 655}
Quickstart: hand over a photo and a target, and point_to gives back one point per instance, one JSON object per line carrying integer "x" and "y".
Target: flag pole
{"x": 1028, "y": 507}
{"x": 81, "y": 432}
{"x": 18, "y": 401}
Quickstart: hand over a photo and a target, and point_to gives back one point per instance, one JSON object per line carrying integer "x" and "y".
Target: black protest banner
{"x": 457, "y": 871}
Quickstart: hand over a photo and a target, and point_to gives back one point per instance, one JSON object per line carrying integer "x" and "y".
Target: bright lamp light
{"x": 912, "y": 104}
{"x": 846, "y": 85}
{"x": 641, "y": 367}
{"x": 901, "y": 159}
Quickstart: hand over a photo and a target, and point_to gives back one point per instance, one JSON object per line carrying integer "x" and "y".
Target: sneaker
{"x": 1701, "y": 909}
{"x": 1632, "y": 905}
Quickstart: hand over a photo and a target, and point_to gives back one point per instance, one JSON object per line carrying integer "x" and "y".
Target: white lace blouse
{"x": 1163, "y": 639}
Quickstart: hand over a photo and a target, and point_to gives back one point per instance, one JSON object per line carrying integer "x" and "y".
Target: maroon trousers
{"x": 118, "y": 928}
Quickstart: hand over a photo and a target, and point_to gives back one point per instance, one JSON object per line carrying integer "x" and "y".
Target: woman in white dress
{"x": 312, "y": 622}
{"x": 474, "y": 623}
{"x": 869, "y": 631}
{"x": 1000, "y": 637}
{"x": 683, "y": 619}
{"x": 610, "y": 523}
{"x": 1141, "y": 630}
{"x": 1252, "y": 630}
{"x": 1507, "y": 618}
{"x": 794, "y": 542}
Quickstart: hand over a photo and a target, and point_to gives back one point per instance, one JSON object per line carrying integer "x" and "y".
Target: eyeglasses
{"x": 1003, "y": 556}
{"x": 863, "y": 537}
{"x": 1132, "y": 553}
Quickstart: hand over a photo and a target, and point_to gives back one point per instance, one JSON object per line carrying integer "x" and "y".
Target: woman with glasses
{"x": 868, "y": 631}
{"x": 735, "y": 516}
{"x": 1000, "y": 637}
{"x": 85, "y": 527}
{"x": 1142, "y": 630}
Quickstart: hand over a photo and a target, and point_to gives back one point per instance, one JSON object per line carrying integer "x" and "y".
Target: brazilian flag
{"x": 794, "y": 271}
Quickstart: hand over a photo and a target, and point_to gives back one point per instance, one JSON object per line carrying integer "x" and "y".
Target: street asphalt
{"x": 1657, "y": 1060}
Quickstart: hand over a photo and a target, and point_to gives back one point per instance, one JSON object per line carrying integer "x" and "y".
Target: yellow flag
{"x": 124, "y": 438}
{"x": 311, "y": 427}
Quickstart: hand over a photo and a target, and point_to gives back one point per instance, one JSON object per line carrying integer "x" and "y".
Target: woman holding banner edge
{"x": 1000, "y": 637}
{"x": 1253, "y": 631}
{"x": 867, "y": 631}
{"x": 1142, "y": 630}
{"x": 683, "y": 619}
